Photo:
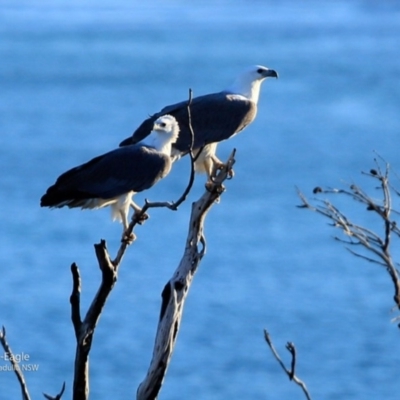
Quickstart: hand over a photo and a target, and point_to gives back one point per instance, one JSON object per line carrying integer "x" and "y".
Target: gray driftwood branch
{"x": 177, "y": 288}
{"x": 377, "y": 245}
{"x": 291, "y": 373}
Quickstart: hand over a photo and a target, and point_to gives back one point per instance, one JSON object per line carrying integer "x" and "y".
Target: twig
{"x": 58, "y": 396}
{"x": 14, "y": 364}
{"x": 177, "y": 288}
{"x": 290, "y": 373}
{"x": 371, "y": 260}
{"x": 175, "y": 204}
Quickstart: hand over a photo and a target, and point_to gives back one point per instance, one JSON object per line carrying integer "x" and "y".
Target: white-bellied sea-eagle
{"x": 214, "y": 117}
{"x": 114, "y": 177}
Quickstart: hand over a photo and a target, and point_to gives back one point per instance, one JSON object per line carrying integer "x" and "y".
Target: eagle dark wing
{"x": 214, "y": 117}
{"x": 131, "y": 168}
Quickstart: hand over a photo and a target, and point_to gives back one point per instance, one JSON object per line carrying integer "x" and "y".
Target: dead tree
{"x": 362, "y": 241}
{"x": 173, "y": 296}
{"x": 371, "y": 246}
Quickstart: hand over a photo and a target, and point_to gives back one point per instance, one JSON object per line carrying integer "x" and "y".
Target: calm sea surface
{"x": 77, "y": 78}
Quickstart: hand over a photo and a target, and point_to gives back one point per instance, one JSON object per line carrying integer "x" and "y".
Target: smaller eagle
{"x": 114, "y": 177}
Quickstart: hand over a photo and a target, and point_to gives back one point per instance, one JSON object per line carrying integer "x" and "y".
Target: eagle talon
{"x": 213, "y": 179}
{"x": 220, "y": 188}
{"x": 217, "y": 166}
{"x": 140, "y": 218}
{"x": 128, "y": 239}
{"x": 231, "y": 174}
{"x": 210, "y": 185}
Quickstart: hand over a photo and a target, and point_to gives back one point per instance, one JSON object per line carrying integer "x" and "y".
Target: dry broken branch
{"x": 58, "y": 396}
{"x": 84, "y": 330}
{"x": 177, "y": 288}
{"x": 14, "y": 364}
{"x": 378, "y": 245}
{"x": 290, "y": 372}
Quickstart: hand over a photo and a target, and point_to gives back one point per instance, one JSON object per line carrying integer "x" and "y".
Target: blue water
{"x": 77, "y": 78}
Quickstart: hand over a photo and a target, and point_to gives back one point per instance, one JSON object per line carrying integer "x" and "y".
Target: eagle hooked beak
{"x": 271, "y": 73}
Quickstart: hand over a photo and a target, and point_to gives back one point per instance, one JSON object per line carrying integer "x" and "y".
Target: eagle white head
{"x": 248, "y": 83}
{"x": 165, "y": 132}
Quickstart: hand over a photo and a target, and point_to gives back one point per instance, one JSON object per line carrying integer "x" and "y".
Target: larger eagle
{"x": 214, "y": 117}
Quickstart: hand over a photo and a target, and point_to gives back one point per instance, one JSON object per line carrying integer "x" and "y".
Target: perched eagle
{"x": 214, "y": 117}
{"x": 113, "y": 178}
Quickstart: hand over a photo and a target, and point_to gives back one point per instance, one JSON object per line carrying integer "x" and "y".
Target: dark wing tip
{"x": 45, "y": 201}
{"x": 53, "y": 197}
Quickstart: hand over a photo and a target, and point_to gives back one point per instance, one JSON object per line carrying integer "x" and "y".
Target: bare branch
{"x": 58, "y": 396}
{"x": 14, "y": 364}
{"x": 290, "y": 373}
{"x": 174, "y": 205}
{"x": 75, "y": 299}
{"x": 372, "y": 242}
{"x": 371, "y": 260}
{"x": 84, "y": 330}
{"x": 177, "y": 288}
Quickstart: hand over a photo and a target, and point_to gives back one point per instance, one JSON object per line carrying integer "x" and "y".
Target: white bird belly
{"x": 120, "y": 207}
